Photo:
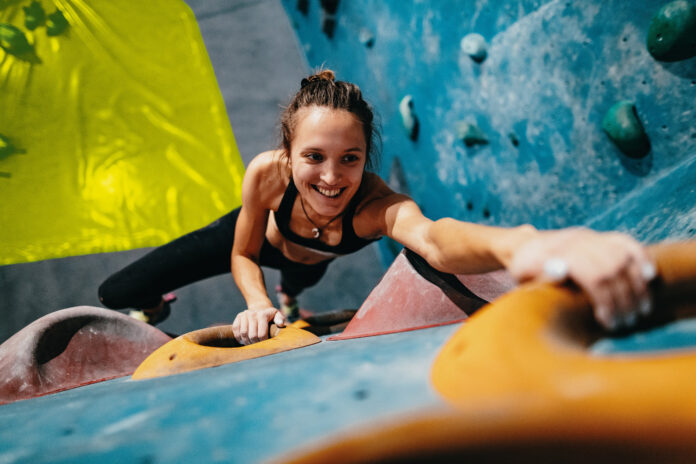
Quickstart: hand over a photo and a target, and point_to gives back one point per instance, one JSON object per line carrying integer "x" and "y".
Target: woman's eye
{"x": 350, "y": 158}
{"x": 314, "y": 156}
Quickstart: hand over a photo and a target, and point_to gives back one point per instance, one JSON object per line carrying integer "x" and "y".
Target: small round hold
{"x": 475, "y": 46}
{"x": 328, "y": 25}
{"x": 672, "y": 32}
{"x": 471, "y": 134}
{"x": 303, "y": 6}
{"x": 408, "y": 117}
{"x": 622, "y": 125}
{"x": 366, "y": 38}
{"x": 514, "y": 139}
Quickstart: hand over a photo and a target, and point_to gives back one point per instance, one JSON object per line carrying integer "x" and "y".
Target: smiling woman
{"x": 312, "y": 200}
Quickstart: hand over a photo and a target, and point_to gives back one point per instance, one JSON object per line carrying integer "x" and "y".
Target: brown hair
{"x": 321, "y": 89}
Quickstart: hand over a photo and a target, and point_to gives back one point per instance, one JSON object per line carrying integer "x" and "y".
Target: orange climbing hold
{"x": 215, "y": 346}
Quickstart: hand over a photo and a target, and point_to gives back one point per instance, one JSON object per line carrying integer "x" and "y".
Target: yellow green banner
{"x": 113, "y": 131}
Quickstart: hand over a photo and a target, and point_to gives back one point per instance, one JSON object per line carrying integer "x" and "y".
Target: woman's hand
{"x": 612, "y": 268}
{"x": 251, "y": 326}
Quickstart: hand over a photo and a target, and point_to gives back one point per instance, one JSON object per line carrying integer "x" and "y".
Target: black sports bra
{"x": 350, "y": 242}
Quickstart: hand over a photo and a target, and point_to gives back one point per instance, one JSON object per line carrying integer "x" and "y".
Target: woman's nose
{"x": 331, "y": 175}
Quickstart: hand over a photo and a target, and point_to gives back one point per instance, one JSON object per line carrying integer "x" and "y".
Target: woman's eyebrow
{"x": 317, "y": 149}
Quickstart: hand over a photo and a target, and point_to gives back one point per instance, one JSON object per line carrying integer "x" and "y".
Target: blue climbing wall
{"x": 553, "y": 69}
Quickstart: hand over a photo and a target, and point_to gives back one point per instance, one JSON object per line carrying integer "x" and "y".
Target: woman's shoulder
{"x": 375, "y": 191}
{"x": 267, "y": 176}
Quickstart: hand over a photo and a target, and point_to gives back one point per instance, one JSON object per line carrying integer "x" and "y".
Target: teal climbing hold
{"x": 672, "y": 32}
{"x": 366, "y": 38}
{"x": 408, "y": 117}
{"x": 514, "y": 139}
{"x": 328, "y": 23}
{"x": 303, "y": 6}
{"x": 56, "y": 23}
{"x": 14, "y": 42}
{"x": 475, "y": 46}
{"x": 471, "y": 134}
{"x": 34, "y": 15}
{"x": 622, "y": 125}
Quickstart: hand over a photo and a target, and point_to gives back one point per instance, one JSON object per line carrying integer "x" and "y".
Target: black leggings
{"x": 195, "y": 256}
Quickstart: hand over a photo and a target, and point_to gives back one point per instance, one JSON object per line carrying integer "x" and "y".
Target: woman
{"x": 313, "y": 200}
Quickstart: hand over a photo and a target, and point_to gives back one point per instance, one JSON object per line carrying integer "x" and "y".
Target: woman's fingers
{"x": 261, "y": 328}
{"x": 279, "y": 319}
{"x": 244, "y": 329}
{"x": 612, "y": 269}
{"x": 251, "y": 326}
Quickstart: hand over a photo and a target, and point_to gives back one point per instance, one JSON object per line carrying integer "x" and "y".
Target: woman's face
{"x": 327, "y": 158}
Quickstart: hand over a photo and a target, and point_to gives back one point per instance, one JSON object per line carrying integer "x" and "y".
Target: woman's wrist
{"x": 513, "y": 240}
{"x": 260, "y": 304}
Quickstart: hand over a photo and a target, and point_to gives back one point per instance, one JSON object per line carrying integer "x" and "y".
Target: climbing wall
{"x": 500, "y": 112}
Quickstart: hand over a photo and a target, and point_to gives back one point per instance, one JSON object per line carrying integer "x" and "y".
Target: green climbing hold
{"x": 672, "y": 32}
{"x": 13, "y": 41}
{"x": 471, "y": 134}
{"x": 34, "y": 15}
{"x": 56, "y": 23}
{"x": 623, "y": 127}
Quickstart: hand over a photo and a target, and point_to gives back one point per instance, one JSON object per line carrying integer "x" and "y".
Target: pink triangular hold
{"x": 412, "y": 295}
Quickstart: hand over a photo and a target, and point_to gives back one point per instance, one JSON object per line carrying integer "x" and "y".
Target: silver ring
{"x": 555, "y": 269}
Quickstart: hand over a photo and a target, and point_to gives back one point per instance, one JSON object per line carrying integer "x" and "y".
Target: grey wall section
{"x": 258, "y": 66}
{"x": 552, "y": 71}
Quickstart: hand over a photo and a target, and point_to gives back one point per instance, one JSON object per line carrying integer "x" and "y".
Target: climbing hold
{"x": 514, "y": 139}
{"x": 330, "y": 6}
{"x": 73, "y": 347}
{"x": 56, "y": 23}
{"x": 328, "y": 23}
{"x": 475, "y": 46}
{"x": 672, "y": 32}
{"x": 34, "y": 15}
{"x": 408, "y": 117}
{"x": 397, "y": 178}
{"x": 366, "y": 38}
{"x": 303, "y": 6}
{"x": 14, "y": 42}
{"x": 471, "y": 134}
{"x": 623, "y": 127}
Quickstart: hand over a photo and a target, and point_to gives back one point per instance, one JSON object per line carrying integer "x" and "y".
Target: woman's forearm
{"x": 467, "y": 248}
{"x": 249, "y": 278}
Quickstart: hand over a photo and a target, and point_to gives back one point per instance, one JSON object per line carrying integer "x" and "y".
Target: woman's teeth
{"x": 331, "y": 193}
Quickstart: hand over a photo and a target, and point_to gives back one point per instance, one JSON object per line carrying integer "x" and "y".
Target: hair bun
{"x": 323, "y": 75}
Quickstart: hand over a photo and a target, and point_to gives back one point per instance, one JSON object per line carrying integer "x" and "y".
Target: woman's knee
{"x": 107, "y": 294}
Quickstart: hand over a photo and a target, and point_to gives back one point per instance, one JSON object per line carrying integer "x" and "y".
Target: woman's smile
{"x": 329, "y": 192}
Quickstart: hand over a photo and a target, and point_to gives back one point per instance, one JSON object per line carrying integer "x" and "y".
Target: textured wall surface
{"x": 553, "y": 69}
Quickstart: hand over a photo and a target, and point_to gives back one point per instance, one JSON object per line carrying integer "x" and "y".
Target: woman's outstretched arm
{"x": 613, "y": 269}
